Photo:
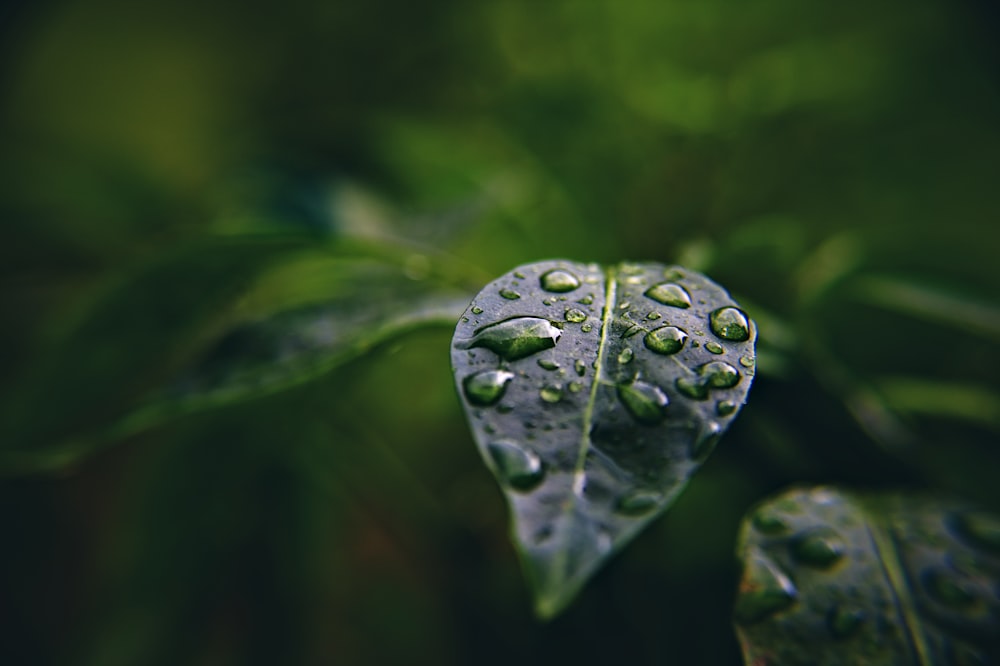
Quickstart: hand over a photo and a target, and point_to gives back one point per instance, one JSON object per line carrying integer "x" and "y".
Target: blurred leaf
{"x": 830, "y": 577}
{"x": 593, "y": 396}
{"x": 953, "y": 400}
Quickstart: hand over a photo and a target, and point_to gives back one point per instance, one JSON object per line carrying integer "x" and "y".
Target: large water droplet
{"x": 625, "y": 356}
{"x": 718, "y": 374}
{"x": 942, "y": 586}
{"x": 665, "y": 340}
{"x": 714, "y": 347}
{"x": 576, "y": 316}
{"x": 764, "y": 590}
{"x": 670, "y": 294}
{"x": 487, "y": 387}
{"x": 551, "y": 393}
{"x": 638, "y": 502}
{"x": 730, "y": 323}
{"x": 843, "y": 621}
{"x": 559, "y": 281}
{"x": 818, "y": 548}
{"x": 517, "y": 466}
{"x": 645, "y": 402}
{"x": 510, "y": 294}
{"x": 515, "y": 338}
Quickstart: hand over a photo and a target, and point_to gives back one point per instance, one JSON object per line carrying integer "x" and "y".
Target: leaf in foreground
{"x": 835, "y": 578}
{"x": 593, "y": 395}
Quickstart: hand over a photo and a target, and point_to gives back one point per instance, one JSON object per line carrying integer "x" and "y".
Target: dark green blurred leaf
{"x": 593, "y": 396}
{"x": 831, "y": 577}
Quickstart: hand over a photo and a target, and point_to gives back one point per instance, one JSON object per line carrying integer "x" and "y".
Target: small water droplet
{"x": 645, "y": 402}
{"x": 517, "y": 466}
{"x": 746, "y": 361}
{"x": 519, "y": 275}
{"x": 586, "y": 300}
{"x": 575, "y": 387}
{"x": 692, "y": 388}
{"x": 730, "y": 323}
{"x": 487, "y": 387}
{"x": 942, "y": 586}
{"x": 465, "y": 320}
{"x": 672, "y": 274}
{"x": 559, "y": 281}
{"x": 714, "y": 347}
{"x": 510, "y": 294}
{"x": 704, "y": 444}
{"x": 551, "y": 393}
{"x": 634, "y": 279}
{"x": 547, "y": 364}
{"x": 818, "y": 548}
{"x": 653, "y": 316}
{"x": 843, "y": 621}
{"x": 587, "y": 328}
{"x": 718, "y": 374}
{"x": 580, "y": 367}
{"x": 764, "y": 590}
{"x": 626, "y": 355}
{"x": 575, "y": 316}
{"x": 767, "y": 521}
{"x": 477, "y": 310}
{"x": 665, "y": 340}
{"x": 638, "y": 502}
{"x": 669, "y": 293}
{"x": 725, "y": 407}
{"x": 515, "y": 338}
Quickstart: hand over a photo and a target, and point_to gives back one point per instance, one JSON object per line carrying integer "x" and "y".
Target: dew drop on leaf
{"x": 625, "y": 356}
{"x": 645, "y": 402}
{"x": 510, "y": 294}
{"x": 665, "y": 340}
{"x": 551, "y": 393}
{"x": 575, "y": 316}
{"x": 638, "y": 503}
{"x": 559, "y": 281}
{"x": 487, "y": 387}
{"x": 669, "y": 293}
{"x": 714, "y": 347}
{"x": 517, "y": 466}
{"x": 764, "y": 590}
{"x": 515, "y": 338}
{"x": 730, "y": 323}
{"x": 819, "y": 548}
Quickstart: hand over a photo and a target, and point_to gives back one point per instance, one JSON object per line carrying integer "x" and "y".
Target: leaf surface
{"x": 593, "y": 395}
{"x": 830, "y": 577}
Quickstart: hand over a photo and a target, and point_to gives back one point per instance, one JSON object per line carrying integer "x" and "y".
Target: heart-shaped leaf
{"x": 593, "y": 394}
{"x": 835, "y": 578}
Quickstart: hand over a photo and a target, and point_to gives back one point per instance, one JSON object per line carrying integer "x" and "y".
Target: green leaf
{"x": 830, "y": 577}
{"x": 593, "y": 395}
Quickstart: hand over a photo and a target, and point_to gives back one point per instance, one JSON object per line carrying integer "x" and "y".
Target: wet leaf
{"x": 594, "y": 394}
{"x": 830, "y": 577}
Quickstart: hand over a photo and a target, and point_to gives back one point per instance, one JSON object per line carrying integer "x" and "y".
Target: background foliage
{"x": 292, "y": 203}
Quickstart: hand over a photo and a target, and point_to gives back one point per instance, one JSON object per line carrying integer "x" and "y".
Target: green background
{"x": 171, "y": 171}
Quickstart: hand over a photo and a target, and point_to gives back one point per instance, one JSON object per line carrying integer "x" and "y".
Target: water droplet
{"x": 714, "y": 347}
{"x": 706, "y": 440}
{"x": 580, "y": 367}
{"x": 487, "y": 387}
{"x": 547, "y": 364}
{"x": 645, "y": 402}
{"x": 718, "y": 374}
{"x": 551, "y": 393}
{"x": 766, "y": 521}
{"x": 665, "y": 340}
{"x": 672, "y": 274}
{"x": 519, "y": 275}
{"x": 575, "y": 387}
{"x": 653, "y": 316}
{"x": 764, "y": 590}
{"x": 725, "y": 407}
{"x": 692, "y": 388}
{"x": 942, "y": 586}
{"x": 626, "y": 355}
{"x": 634, "y": 279}
{"x": 477, "y": 310}
{"x": 510, "y": 294}
{"x": 638, "y": 502}
{"x": 559, "y": 281}
{"x": 576, "y": 316}
{"x": 515, "y": 338}
{"x": 730, "y": 323}
{"x": 586, "y": 300}
{"x": 587, "y": 328}
{"x": 980, "y": 528}
{"x": 517, "y": 466}
{"x": 746, "y": 361}
{"x": 669, "y": 293}
{"x": 843, "y": 622}
{"x": 818, "y": 548}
